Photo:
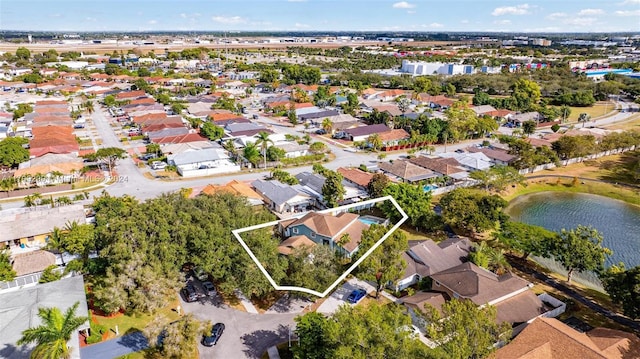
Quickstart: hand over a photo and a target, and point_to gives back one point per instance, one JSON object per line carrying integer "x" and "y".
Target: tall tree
{"x": 56, "y": 242}
{"x": 333, "y": 190}
{"x": 251, "y": 153}
{"x": 211, "y": 131}
{"x": 464, "y": 330}
{"x": 263, "y": 141}
{"x": 313, "y": 342}
{"x": 526, "y": 238}
{"x": 56, "y": 330}
{"x": 580, "y": 249}
{"x": 6, "y": 269}
{"x": 12, "y": 151}
{"x": 385, "y": 264}
{"x": 529, "y": 127}
{"x": 623, "y": 286}
{"x": 415, "y": 202}
{"x": 327, "y": 125}
{"x": 377, "y": 184}
{"x": 472, "y": 210}
{"x": 109, "y": 155}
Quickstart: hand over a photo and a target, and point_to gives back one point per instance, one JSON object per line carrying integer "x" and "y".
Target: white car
{"x": 158, "y": 165}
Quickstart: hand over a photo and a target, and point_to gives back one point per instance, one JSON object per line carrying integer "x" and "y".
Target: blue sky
{"x": 322, "y": 15}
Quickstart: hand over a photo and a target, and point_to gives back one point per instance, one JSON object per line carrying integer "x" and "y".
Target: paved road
{"x": 246, "y": 335}
{"x": 114, "y": 348}
{"x": 517, "y": 263}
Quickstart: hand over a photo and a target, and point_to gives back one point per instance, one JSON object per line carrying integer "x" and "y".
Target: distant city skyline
{"x": 321, "y": 15}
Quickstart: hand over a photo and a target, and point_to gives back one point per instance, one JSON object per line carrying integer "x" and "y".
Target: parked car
{"x": 321, "y": 132}
{"x": 216, "y": 333}
{"x": 148, "y": 156}
{"x": 200, "y": 274}
{"x": 356, "y": 295}
{"x": 209, "y": 288}
{"x": 158, "y": 165}
{"x": 190, "y": 294}
{"x": 78, "y": 125}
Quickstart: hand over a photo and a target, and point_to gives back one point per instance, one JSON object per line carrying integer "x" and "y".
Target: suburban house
{"x": 497, "y": 156}
{"x": 203, "y": 162}
{"x": 476, "y": 161}
{"x": 443, "y": 166}
{"x": 235, "y": 187}
{"x": 342, "y": 231}
{"x": 19, "y": 311}
{"x": 32, "y": 262}
{"x": 356, "y": 176}
{"x": 428, "y": 257}
{"x": 29, "y": 227}
{"x": 393, "y": 137}
{"x": 518, "y": 119}
{"x": 483, "y": 110}
{"x": 406, "y": 171}
{"x": 314, "y": 182}
{"x": 551, "y": 338}
{"x": 284, "y": 199}
{"x": 361, "y": 133}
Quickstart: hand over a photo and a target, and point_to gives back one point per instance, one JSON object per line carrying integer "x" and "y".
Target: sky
{"x": 321, "y": 15}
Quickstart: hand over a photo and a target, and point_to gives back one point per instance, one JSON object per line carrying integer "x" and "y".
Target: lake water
{"x": 617, "y": 221}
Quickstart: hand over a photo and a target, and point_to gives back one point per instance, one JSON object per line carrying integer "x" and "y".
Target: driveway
{"x": 339, "y": 297}
{"x": 115, "y": 347}
{"x": 246, "y": 335}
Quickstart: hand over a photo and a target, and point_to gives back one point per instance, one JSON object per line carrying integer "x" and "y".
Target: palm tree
{"x": 263, "y": 141}
{"x": 54, "y": 333}
{"x": 251, "y": 153}
{"x": 327, "y": 125}
{"x": 375, "y": 141}
{"x": 56, "y": 243}
{"x": 32, "y": 199}
{"x": 88, "y": 106}
{"x": 230, "y": 147}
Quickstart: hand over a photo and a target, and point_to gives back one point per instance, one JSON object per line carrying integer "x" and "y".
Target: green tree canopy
{"x": 580, "y": 249}
{"x": 6, "y": 269}
{"x": 415, "y": 202}
{"x": 332, "y": 190}
{"x": 464, "y": 330}
{"x": 12, "y": 152}
{"x": 211, "y": 131}
{"x": 526, "y": 238}
{"x": 623, "y": 286}
{"x": 471, "y": 210}
{"x": 377, "y": 184}
{"x": 385, "y": 263}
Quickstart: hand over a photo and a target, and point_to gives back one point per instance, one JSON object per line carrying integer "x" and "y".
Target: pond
{"x": 617, "y": 221}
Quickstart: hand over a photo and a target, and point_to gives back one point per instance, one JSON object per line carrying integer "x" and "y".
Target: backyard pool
{"x": 372, "y": 220}
{"x": 429, "y": 187}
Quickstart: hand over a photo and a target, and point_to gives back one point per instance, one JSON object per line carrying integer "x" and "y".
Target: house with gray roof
{"x": 19, "y": 311}
{"x": 315, "y": 182}
{"x": 284, "y": 199}
{"x": 426, "y": 258}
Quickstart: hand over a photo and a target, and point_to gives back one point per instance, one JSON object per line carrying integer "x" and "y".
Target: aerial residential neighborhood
{"x": 253, "y": 181}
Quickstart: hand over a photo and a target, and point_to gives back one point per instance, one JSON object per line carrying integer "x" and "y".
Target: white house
{"x": 203, "y": 162}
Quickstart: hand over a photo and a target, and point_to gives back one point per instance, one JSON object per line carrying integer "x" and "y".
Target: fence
{"x": 466, "y": 183}
{"x": 558, "y": 305}
{"x": 577, "y": 160}
{"x": 25, "y": 281}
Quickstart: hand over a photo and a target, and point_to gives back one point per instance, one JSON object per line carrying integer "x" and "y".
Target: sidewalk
{"x": 116, "y": 347}
{"x": 246, "y": 303}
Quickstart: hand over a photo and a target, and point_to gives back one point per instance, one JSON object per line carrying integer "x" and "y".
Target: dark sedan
{"x": 216, "y": 333}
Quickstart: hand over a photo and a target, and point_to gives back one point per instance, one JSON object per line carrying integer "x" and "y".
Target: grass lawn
{"x": 598, "y": 109}
{"x": 371, "y": 298}
{"x": 633, "y": 123}
{"x": 127, "y": 323}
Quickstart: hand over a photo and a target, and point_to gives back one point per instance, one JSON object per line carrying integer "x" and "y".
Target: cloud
{"x": 55, "y": 15}
{"x": 152, "y": 22}
{"x": 434, "y": 25}
{"x": 301, "y": 26}
{"x": 464, "y": 21}
{"x": 183, "y": 15}
{"x": 297, "y": 0}
{"x": 590, "y": 12}
{"x": 502, "y": 22}
{"x": 630, "y": 2}
{"x": 628, "y": 13}
{"x": 90, "y": 18}
{"x": 556, "y": 15}
{"x": 403, "y": 5}
{"x": 580, "y": 21}
{"x": 229, "y": 20}
{"x": 511, "y": 10}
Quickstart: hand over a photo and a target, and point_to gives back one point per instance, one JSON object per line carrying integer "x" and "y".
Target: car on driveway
{"x": 209, "y": 288}
{"x": 158, "y": 165}
{"x": 355, "y": 296}
{"x": 190, "y": 294}
{"x": 200, "y": 274}
{"x": 216, "y": 333}
{"x": 321, "y": 132}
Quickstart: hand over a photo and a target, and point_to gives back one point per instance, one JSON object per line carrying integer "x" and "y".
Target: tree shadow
{"x": 134, "y": 340}
{"x": 13, "y": 351}
{"x": 259, "y": 341}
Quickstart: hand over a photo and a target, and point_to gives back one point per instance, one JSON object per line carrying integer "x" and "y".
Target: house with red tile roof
{"x": 356, "y": 176}
{"x": 130, "y": 95}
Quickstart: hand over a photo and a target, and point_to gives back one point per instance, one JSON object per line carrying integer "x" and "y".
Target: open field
{"x": 600, "y": 108}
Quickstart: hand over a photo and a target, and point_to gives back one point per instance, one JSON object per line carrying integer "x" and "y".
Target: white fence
{"x": 559, "y": 305}
{"x": 207, "y": 171}
{"x": 576, "y": 160}
{"x": 464, "y": 184}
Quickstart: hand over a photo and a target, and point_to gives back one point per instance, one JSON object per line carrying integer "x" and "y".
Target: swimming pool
{"x": 429, "y": 187}
{"x": 371, "y": 220}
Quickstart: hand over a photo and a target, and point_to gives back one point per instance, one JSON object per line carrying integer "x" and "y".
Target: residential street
{"x": 120, "y": 346}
